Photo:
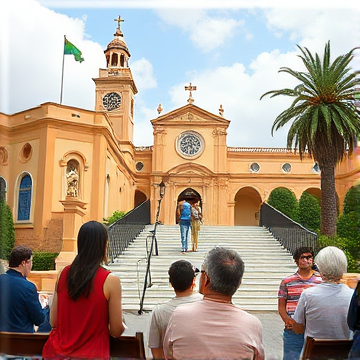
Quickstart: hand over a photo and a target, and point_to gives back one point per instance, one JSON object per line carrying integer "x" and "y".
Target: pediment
{"x": 190, "y": 114}
{"x": 190, "y": 169}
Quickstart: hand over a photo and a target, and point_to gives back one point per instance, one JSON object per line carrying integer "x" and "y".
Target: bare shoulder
{"x": 112, "y": 279}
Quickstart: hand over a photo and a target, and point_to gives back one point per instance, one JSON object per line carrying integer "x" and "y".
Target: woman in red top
{"x": 86, "y": 306}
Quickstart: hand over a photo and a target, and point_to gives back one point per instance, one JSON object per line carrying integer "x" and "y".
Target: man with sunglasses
{"x": 288, "y": 296}
{"x": 20, "y": 308}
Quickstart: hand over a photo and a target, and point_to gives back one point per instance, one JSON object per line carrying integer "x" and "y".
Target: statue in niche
{"x": 72, "y": 180}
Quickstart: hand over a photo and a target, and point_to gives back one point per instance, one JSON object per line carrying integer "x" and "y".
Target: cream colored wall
{"x": 166, "y": 156}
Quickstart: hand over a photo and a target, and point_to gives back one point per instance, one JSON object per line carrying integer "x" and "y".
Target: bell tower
{"x": 115, "y": 88}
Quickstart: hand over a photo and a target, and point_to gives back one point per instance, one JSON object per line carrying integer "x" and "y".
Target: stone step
{"x": 266, "y": 264}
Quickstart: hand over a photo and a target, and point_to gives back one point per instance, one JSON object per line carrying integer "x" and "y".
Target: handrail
{"x": 289, "y": 233}
{"x": 126, "y": 229}
{"x": 147, "y": 279}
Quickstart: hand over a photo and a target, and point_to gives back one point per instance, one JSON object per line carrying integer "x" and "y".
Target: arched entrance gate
{"x": 190, "y": 195}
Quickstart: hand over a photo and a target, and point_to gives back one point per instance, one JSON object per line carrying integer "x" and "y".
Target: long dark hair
{"x": 91, "y": 241}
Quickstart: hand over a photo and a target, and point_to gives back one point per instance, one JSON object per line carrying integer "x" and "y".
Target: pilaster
{"x": 74, "y": 211}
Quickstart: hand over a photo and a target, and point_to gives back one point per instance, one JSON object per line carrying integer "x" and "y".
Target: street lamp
{"x": 162, "y": 187}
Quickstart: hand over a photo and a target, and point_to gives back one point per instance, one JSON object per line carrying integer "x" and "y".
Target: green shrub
{"x": 114, "y": 217}
{"x": 285, "y": 201}
{"x": 7, "y": 231}
{"x": 348, "y": 225}
{"x": 352, "y": 200}
{"x": 346, "y": 245}
{"x": 44, "y": 260}
{"x": 309, "y": 211}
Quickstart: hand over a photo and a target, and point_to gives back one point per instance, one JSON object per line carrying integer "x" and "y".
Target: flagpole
{"x": 62, "y": 72}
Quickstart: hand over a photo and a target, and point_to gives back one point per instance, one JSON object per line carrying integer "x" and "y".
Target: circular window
{"x": 286, "y": 167}
{"x": 254, "y": 167}
{"x": 190, "y": 144}
{"x": 139, "y": 166}
{"x": 25, "y": 153}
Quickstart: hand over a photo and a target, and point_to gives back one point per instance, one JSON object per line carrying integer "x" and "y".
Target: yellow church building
{"x": 62, "y": 165}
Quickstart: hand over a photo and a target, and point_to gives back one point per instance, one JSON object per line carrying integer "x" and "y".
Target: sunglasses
{"x": 308, "y": 257}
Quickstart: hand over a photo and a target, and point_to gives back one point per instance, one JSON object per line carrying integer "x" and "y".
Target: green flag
{"x": 69, "y": 49}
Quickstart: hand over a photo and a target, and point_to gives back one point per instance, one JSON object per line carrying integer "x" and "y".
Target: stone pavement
{"x": 271, "y": 321}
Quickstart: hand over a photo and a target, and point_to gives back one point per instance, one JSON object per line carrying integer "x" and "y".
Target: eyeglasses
{"x": 196, "y": 270}
{"x": 307, "y": 257}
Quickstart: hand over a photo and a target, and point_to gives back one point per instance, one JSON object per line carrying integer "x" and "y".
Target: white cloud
{"x": 207, "y": 33}
{"x": 313, "y": 28}
{"x": 142, "y": 71}
{"x": 31, "y": 58}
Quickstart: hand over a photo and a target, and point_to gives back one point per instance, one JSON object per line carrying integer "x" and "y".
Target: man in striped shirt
{"x": 288, "y": 296}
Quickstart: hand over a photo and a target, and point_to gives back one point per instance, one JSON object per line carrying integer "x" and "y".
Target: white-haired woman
{"x": 322, "y": 310}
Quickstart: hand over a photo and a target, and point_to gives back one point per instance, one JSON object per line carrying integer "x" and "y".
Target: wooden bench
{"x": 25, "y": 344}
{"x": 318, "y": 349}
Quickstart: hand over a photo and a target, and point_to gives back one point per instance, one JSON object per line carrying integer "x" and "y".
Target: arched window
{"x": 114, "y": 59}
{"x": 24, "y": 201}
{"x": 2, "y": 188}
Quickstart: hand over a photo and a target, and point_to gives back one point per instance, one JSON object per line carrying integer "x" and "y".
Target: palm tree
{"x": 325, "y": 119}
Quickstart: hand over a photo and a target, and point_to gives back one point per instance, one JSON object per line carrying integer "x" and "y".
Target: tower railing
{"x": 125, "y": 230}
{"x": 289, "y": 233}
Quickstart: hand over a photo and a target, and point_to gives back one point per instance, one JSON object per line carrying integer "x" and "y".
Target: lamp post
{"x": 162, "y": 188}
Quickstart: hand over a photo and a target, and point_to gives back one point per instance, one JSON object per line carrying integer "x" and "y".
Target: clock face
{"x": 190, "y": 143}
{"x": 111, "y": 101}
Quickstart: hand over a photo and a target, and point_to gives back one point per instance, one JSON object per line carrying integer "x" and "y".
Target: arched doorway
{"x": 140, "y": 197}
{"x": 190, "y": 195}
{"x": 247, "y": 205}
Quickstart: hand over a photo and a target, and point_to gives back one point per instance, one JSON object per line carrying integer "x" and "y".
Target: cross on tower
{"x": 190, "y": 88}
{"x": 119, "y": 20}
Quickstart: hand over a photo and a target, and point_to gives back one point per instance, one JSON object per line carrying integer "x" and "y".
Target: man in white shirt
{"x": 182, "y": 276}
{"x": 322, "y": 310}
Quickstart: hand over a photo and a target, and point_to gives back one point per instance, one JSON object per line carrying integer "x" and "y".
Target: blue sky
{"x": 231, "y": 53}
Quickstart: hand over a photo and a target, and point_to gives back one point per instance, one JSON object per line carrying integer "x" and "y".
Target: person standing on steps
{"x": 184, "y": 216}
{"x": 196, "y": 217}
{"x": 288, "y": 296}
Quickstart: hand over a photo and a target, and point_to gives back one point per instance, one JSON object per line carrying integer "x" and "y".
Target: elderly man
{"x": 322, "y": 310}
{"x": 214, "y": 328}
{"x": 182, "y": 276}
{"x": 20, "y": 308}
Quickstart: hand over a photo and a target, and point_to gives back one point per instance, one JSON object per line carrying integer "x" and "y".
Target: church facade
{"x": 61, "y": 166}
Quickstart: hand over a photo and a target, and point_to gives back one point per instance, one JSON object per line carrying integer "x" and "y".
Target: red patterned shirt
{"x": 291, "y": 288}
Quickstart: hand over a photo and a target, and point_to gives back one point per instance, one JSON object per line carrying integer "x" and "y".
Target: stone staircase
{"x": 266, "y": 263}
